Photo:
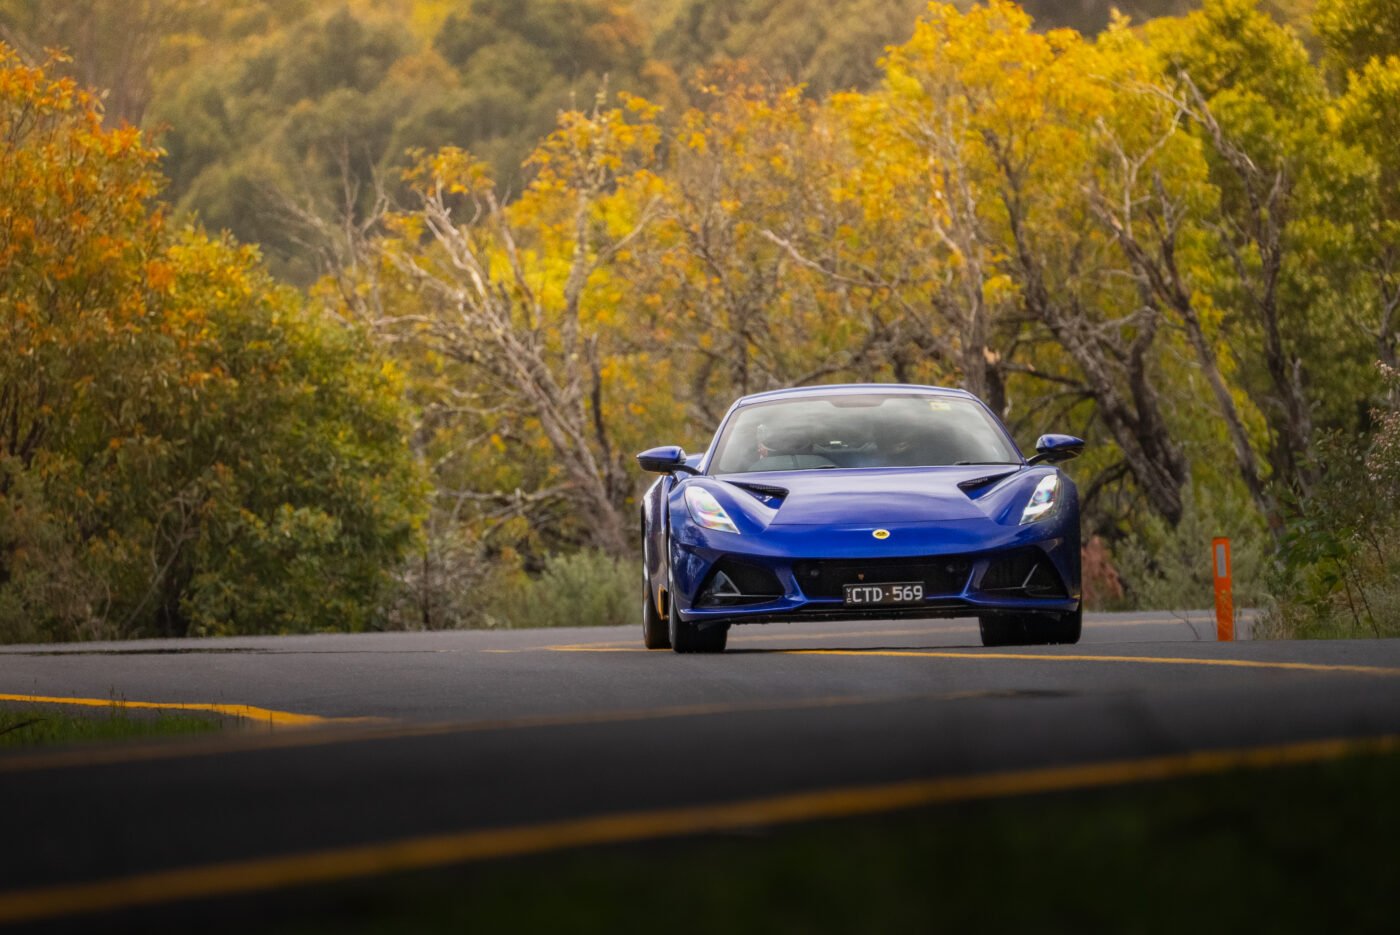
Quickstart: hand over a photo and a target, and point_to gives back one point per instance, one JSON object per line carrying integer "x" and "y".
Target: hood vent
{"x": 766, "y": 494}
{"x": 975, "y": 485}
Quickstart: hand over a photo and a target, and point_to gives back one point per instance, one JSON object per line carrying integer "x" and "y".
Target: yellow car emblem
{"x": 881, "y": 534}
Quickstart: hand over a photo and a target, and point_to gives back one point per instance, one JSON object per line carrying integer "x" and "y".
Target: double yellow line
{"x": 420, "y": 853}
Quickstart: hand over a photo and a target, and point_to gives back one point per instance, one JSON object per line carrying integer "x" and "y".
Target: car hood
{"x": 874, "y": 496}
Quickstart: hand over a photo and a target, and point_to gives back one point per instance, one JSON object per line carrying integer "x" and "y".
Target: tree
{"x": 183, "y": 448}
{"x": 1004, "y": 115}
{"x": 116, "y": 45}
{"x": 77, "y": 242}
{"x": 514, "y": 291}
{"x": 1354, "y": 32}
{"x": 1287, "y": 205}
{"x": 756, "y": 279}
{"x": 1368, "y": 117}
{"x": 1153, "y": 195}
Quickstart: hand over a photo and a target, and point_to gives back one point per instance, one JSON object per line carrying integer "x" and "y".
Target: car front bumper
{"x": 968, "y": 567}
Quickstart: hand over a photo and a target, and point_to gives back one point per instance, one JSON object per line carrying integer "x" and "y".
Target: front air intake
{"x": 1028, "y": 573}
{"x": 731, "y": 583}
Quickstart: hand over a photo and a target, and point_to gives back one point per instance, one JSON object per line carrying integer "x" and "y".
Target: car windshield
{"x": 860, "y": 431}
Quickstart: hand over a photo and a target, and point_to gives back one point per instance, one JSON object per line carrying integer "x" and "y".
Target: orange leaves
{"x": 76, "y": 234}
{"x": 160, "y": 276}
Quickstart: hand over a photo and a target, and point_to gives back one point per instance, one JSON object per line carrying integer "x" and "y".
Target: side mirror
{"x": 668, "y": 459}
{"x": 1052, "y": 449}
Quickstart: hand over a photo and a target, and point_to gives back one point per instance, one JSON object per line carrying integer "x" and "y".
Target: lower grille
{"x": 943, "y": 574}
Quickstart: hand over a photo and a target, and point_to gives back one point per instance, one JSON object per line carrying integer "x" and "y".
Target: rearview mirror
{"x": 1052, "y": 449}
{"x": 667, "y": 459}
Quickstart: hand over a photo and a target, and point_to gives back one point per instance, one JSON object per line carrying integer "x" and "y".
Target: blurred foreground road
{"x": 435, "y": 748}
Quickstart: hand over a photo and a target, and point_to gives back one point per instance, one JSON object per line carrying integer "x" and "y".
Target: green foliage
{"x": 183, "y": 446}
{"x": 289, "y": 119}
{"x": 310, "y": 494}
{"x": 322, "y": 110}
{"x": 1356, "y": 31}
{"x": 261, "y": 104}
{"x": 828, "y": 47}
{"x": 47, "y": 591}
{"x": 587, "y": 588}
{"x": 1339, "y": 570}
{"x": 1170, "y": 568}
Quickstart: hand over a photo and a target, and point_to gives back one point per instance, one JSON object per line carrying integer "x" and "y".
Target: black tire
{"x": 656, "y": 629}
{"x": 1030, "y": 629}
{"x": 1003, "y": 630}
{"x": 1068, "y": 628}
{"x": 690, "y": 638}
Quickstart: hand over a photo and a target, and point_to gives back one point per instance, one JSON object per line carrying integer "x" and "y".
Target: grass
{"x": 30, "y": 727}
{"x": 1301, "y": 849}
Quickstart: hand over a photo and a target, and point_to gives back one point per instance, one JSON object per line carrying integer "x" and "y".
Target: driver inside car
{"x": 787, "y": 448}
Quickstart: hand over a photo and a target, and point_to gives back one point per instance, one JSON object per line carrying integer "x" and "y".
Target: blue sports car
{"x": 867, "y": 500}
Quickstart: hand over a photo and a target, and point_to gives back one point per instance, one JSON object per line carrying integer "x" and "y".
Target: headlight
{"x": 706, "y": 511}
{"x": 1043, "y": 500}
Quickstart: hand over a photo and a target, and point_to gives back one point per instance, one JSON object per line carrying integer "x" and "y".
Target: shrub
{"x": 1165, "y": 568}
{"x": 583, "y": 589}
{"x": 1339, "y": 574}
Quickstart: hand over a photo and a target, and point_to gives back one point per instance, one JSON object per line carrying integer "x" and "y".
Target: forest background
{"x": 347, "y": 315}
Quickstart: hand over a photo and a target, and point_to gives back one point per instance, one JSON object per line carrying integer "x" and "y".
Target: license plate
{"x": 898, "y": 592}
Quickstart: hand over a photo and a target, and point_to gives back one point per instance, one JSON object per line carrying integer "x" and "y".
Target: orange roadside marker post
{"x": 1224, "y": 600}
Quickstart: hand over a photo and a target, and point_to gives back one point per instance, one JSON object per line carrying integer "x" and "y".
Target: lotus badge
{"x": 881, "y": 534}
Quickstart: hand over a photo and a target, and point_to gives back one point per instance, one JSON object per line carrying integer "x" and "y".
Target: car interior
{"x": 814, "y": 434}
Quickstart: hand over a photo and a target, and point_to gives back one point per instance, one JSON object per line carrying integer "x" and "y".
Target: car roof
{"x": 852, "y": 389}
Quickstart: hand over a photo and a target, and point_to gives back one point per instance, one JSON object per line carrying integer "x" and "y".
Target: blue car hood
{"x": 875, "y": 496}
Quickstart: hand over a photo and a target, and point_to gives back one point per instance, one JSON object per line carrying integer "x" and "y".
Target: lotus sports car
{"x": 860, "y": 501}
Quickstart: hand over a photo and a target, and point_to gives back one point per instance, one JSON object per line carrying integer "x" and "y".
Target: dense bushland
{"x": 1180, "y": 239}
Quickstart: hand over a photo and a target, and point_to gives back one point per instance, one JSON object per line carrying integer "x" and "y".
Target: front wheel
{"x": 690, "y": 638}
{"x": 1030, "y": 629}
{"x": 656, "y": 629}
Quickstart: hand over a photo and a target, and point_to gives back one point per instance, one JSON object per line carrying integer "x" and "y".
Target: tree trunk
{"x": 1161, "y": 281}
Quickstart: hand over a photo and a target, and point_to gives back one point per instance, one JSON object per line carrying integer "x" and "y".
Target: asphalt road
{"x": 433, "y": 748}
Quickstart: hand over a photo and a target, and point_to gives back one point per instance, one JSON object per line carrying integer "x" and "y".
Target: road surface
{"x": 366, "y": 753}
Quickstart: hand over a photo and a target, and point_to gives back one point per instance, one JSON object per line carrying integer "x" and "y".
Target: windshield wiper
{"x": 956, "y": 463}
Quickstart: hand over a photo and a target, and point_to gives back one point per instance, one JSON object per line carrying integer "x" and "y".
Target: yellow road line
{"x": 247, "y": 712}
{"x": 631, "y": 645}
{"x": 131, "y": 753}
{"x": 938, "y": 627}
{"x": 596, "y": 648}
{"x": 1146, "y": 660}
{"x": 419, "y": 853}
{"x": 974, "y": 654}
